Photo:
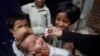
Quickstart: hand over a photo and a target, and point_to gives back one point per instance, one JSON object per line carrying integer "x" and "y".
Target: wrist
{"x": 60, "y": 34}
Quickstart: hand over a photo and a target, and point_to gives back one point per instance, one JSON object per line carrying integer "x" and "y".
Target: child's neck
{"x": 39, "y": 7}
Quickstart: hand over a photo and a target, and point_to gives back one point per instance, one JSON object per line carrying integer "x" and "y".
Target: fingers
{"x": 31, "y": 53}
{"x": 51, "y": 30}
{"x": 48, "y": 31}
{"x": 54, "y": 31}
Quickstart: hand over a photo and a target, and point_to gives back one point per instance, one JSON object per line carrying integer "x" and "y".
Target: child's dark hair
{"x": 70, "y": 9}
{"x": 14, "y": 17}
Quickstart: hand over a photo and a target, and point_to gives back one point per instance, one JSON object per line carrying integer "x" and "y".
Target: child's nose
{"x": 39, "y": 40}
{"x": 27, "y": 30}
{"x": 60, "y": 23}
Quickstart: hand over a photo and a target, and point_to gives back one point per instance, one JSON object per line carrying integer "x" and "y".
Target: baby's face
{"x": 33, "y": 43}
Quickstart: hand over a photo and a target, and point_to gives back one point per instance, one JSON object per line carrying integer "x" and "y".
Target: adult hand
{"x": 54, "y": 31}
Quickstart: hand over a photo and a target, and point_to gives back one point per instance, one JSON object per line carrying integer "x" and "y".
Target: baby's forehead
{"x": 28, "y": 39}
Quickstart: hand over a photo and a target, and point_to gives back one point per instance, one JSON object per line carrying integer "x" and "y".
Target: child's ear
{"x": 11, "y": 30}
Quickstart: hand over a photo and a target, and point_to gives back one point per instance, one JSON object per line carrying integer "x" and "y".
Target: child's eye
{"x": 33, "y": 44}
{"x": 58, "y": 19}
{"x": 20, "y": 26}
{"x": 26, "y": 24}
{"x": 65, "y": 21}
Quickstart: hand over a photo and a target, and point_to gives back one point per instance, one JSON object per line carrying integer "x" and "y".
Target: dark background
{"x": 7, "y": 7}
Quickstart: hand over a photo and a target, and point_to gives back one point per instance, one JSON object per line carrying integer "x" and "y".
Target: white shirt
{"x": 38, "y": 17}
{"x": 53, "y": 51}
{"x": 16, "y": 51}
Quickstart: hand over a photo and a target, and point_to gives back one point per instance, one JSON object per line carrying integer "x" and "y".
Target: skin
{"x": 39, "y": 3}
{"x": 20, "y": 29}
{"x": 62, "y": 21}
{"x": 34, "y": 44}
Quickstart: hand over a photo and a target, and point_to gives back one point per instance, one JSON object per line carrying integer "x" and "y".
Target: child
{"x": 19, "y": 26}
{"x": 67, "y": 14}
{"x": 23, "y": 35}
{"x": 39, "y": 14}
{"x": 35, "y": 45}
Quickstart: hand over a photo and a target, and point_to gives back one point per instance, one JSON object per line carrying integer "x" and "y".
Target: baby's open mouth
{"x": 43, "y": 44}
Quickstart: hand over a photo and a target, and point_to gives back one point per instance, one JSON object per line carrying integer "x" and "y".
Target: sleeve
{"x": 16, "y": 51}
{"x": 54, "y": 51}
{"x": 48, "y": 18}
{"x": 25, "y": 8}
{"x": 77, "y": 37}
{"x": 87, "y": 44}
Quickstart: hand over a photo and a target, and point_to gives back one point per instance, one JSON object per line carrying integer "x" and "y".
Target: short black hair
{"x": 70, "y": 9}
{"x": 14, "y": 17}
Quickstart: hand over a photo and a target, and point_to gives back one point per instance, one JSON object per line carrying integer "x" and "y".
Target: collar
{"x": 42, "y": 9}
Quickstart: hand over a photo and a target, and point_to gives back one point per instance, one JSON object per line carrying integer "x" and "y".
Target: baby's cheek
{"x": 37, "y": 49}
{"x": 37, "y": 46}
